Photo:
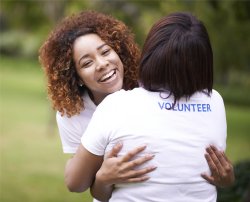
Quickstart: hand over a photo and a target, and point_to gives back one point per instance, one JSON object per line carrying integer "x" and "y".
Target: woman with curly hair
{"x": 88, "y": 56}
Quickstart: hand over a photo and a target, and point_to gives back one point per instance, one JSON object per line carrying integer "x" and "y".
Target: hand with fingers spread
{"x": 222, "y": 172}
{"x": 120, "y": 170}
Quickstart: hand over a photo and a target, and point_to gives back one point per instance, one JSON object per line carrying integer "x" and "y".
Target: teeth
{"x": 107, "y": 76}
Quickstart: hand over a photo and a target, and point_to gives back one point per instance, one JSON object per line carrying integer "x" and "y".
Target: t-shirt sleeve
{"x": 95, "y": 138}
{"x": 98, "y": 133}
{"x": 69, "y": 133}
{"x": 220, "y": 118}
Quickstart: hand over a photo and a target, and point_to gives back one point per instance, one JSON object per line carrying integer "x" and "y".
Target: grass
{"x": 32, "y": 162}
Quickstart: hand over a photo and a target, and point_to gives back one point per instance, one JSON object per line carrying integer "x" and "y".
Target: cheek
{"x": 121, "y": 67}
{"x": 85, "y": 76}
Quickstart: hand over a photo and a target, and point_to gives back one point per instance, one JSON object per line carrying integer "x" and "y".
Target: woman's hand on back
{"x": 123, "y": 169}
{"x": 222, "y": 172}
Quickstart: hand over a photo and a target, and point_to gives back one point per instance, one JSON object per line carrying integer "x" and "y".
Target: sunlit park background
{"x": 31, "y": 161}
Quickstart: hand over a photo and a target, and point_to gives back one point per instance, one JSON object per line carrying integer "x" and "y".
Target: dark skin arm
{"x": 81, "y": 169}
{"x": 86, "y": 169}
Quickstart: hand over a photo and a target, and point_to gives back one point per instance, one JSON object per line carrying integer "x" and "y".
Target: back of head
{"x": 177, "y": 57}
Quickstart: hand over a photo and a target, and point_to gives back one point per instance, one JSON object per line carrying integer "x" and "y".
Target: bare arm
{"x": 222, "y": 172}
{"x": 80, "y": 171}
{"x": 119, "y": 170}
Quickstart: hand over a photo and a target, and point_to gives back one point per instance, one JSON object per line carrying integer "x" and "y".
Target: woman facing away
{"x": 87, "y": 57}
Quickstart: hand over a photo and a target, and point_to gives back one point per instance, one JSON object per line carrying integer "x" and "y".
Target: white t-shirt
{"x": 71, "y": 129}
{"x": 178, "y": 138}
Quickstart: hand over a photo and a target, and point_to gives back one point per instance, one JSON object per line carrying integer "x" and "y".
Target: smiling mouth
{"x": 108, "y": 76}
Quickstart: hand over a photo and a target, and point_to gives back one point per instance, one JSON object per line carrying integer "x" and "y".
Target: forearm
{"x": 100, "y": 191}
{"x": 73, "y": 179}
{"x": 79, "y": 175}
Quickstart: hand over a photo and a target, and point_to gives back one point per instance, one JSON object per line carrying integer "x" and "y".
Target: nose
{"x": 101, "y": 63}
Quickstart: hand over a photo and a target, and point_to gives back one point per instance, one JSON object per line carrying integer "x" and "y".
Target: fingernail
{"x": 206, "y": 156}
{"x": 119, "y": 143}
{"x": 146, "y": 178}
{"x": 153, "y": 167}
{"x": 150, "y": 155}
{"x": 213, "y": 147}
{"x": 143, "y": 146}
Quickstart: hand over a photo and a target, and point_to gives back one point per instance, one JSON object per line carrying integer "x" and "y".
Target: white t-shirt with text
{"x": 178, "y": 138}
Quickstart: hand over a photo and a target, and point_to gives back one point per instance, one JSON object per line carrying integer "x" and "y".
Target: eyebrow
{"x": 86, "y": 55}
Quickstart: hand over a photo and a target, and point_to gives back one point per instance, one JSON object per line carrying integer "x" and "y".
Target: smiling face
{"x": 98, "y": 66}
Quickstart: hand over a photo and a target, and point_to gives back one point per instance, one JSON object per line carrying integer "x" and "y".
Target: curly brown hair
{"x": 56, "y": 57}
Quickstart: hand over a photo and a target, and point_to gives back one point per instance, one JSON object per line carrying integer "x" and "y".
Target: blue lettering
{"x": 180, "y": 109}
{"x": 187, "y": 107}
{"x": 161, "y": 105}
{"x": 204, "y": 107}
{"x": 167, "y": 103}
{"x": 174, "y": 107}
{"x": 193, "y": 105}
{"x": 199, "y": 107}
{"x": 208, "y": 107}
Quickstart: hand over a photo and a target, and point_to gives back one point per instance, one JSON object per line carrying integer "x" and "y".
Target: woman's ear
{"x": 80, "y": 82}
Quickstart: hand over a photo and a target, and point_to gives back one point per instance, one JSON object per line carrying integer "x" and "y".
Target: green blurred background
{"x": 31, "y": 161}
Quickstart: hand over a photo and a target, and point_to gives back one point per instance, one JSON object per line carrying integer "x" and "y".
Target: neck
{"x": 97, "y": 98}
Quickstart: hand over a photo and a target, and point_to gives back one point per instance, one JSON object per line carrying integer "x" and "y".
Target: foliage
{"x": 228, "y": 22}
{"x": 240, "y": 191}
{"x": 229, "y": 27}
{"x": 19, "y": 43}
{"x": 235, "y": 94}
{"x": 238, "y": 127}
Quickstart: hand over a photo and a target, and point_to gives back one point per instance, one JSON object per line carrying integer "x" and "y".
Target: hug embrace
{"x": 137, "y": 152}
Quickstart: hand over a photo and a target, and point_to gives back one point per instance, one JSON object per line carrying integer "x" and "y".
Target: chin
{"x": 113, "y": 90}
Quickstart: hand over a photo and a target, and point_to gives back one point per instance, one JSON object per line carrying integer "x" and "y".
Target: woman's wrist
{"x": 101, "y": 189}
{"x": 102, "y": 179}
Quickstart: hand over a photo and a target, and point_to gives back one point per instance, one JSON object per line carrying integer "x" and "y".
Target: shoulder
{"x": 213, "y": 96}
{"x": 75, "y": 121}
{"x": 124, "y": 94}
{"x": 216, "y": 95}
{"x": 111, "y": 98}
{"x": 217, "y": 101}
{"x": 84, "y": 115}
{"x": 68, "y": 122}
{"x": 119, "y": 97}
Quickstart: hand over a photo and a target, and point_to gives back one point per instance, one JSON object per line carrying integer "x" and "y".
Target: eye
{"x": 106, "y": 51}
{"x": 86, "y": 64}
